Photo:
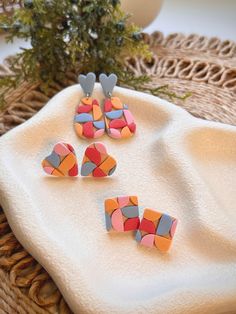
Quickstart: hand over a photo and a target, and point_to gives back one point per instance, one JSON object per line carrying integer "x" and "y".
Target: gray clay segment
{"x": 87, "y": 168}
{"x": 130, "y": 211}
{"x": 164, "y": 225}
{"x": 54, "y": 160}
{"x": 108, "y": 222}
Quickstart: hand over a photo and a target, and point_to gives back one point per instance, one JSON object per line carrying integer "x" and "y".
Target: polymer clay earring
{"x": 88, "y": 120}
{"x": 122, "y": 213}
{"x": 61, "y": 162}
{"x": 97, "y": 162}
{"x": 118, "y": 119}
{"x": 156, "y": 230}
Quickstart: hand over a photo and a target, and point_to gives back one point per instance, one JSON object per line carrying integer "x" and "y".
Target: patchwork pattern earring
{"x": 97, "y": 162}
{"x": 156, "y": 230}
{"x": 122, "y": 213}
{"x": 88, "y": 120}
{"x": 118, "y": 119}
{"x": 61, "y": 162}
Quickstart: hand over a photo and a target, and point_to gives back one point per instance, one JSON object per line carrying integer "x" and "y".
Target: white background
{"x": 205, "y": 17}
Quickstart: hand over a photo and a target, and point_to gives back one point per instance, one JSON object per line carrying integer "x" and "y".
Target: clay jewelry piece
{"x": 88, "y": 120}
{"x": 156, "y": 230}
{"x": 97, "y": 162}
{"x": 118, "y": 119}
{"x": 122, "y": 213}
{"x": 61, "y": 162}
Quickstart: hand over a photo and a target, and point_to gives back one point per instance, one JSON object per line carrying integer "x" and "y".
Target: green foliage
{"x": 72, "y": 35}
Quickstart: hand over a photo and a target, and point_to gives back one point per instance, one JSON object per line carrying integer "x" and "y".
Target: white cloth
{"x": 177, "y": 164}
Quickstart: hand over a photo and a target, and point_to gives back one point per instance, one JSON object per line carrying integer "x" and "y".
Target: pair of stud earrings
{"x": 154, "y": 229}
{"x": 91, "y": 122}
{"x": 63, "y": 162}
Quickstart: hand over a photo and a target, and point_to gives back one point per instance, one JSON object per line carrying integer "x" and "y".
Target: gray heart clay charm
{"x": 108, "y": 83}
{"x": 87, "y": 82}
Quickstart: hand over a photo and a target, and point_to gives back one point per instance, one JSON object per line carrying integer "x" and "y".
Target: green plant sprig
{"x": 73, "y": 35}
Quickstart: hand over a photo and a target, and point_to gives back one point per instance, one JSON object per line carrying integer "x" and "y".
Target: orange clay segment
{"x": 85, "y": 159}
{"x": 162, "y": 244}
{"x": 97, "y": 113}
{"x": 57, "y": 173}
{"x": 116, "y": 103}
{"x": 67, "y": 163}
{"x": 79, "y": 129}
{"x": 45, "y": 163}
{"x": 125, "y": 132}
{"x": 108, "y": 164}
{"x": 87, "y": 100}
{"x": 110, "y": 205}
{"x": 134, "y": 200}
{"x": 152, "y": 215}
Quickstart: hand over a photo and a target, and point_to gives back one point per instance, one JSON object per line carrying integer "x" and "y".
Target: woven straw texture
{"x": 205, "y": 67}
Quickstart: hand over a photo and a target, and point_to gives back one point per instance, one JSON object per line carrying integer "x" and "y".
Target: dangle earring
{"x": 118, "y": 119}
{"x": 88, "y": 120}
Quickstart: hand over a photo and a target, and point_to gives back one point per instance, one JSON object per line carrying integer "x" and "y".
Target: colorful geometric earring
{"x": 118, "y": 119}
{"x": 61, "y": 162}
{"x": 122, "y": 213}
{"x": 88, "y": 120}
{"x": 97, "y": 162}
{"x": 156, "y": 230}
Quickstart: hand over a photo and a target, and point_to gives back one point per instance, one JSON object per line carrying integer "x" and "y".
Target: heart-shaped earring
{"x": 97, "y": 162}
{"x": 118, "y": 119}
{"x": 88, "y": 120}
{"x": 61, "y": 162}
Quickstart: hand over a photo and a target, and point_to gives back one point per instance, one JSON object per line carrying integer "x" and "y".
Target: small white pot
{"x": 143, "y": 11}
